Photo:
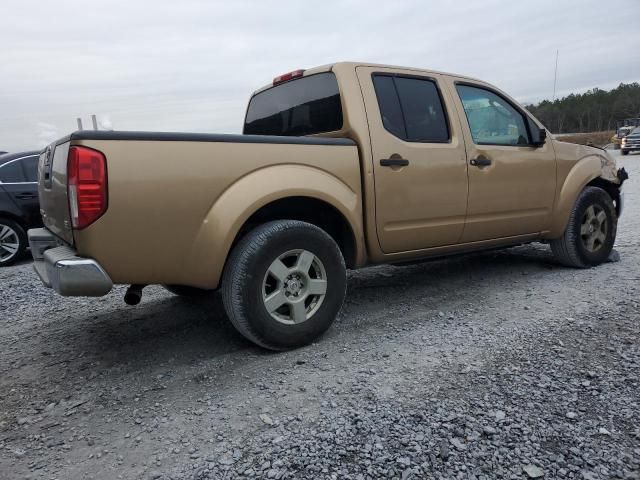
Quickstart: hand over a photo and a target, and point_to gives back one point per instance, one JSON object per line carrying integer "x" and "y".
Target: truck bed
{"x": 172, "y": 197}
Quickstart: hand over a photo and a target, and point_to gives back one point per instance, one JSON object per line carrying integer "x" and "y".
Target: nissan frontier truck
{"x": 338, "y": 167}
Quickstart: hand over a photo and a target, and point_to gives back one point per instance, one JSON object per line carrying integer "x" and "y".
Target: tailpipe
{"x": 133, "y": 295}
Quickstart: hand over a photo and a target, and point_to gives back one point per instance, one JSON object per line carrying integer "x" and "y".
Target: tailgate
{"x": 52, "y": 190}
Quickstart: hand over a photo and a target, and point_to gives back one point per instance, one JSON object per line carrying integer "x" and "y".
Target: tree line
{"x": 595, "y": 110}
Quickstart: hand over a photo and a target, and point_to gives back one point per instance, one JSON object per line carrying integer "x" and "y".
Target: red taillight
{"x": 288, "y": 76}
{"x": 87, "y": 182}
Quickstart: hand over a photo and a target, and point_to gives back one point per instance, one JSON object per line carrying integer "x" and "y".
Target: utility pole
{"x": 555, "y": 78}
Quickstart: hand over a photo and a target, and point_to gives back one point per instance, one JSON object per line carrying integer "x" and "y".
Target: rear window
{"x": 305, "y": 106}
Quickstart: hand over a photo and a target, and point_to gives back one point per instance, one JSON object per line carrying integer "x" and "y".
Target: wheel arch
{"x": 585, "y": 173}
{"x": 611, "y": 188}
{"x": 269, "y": 194}
{"x": 15, "y": 218}
{"x": 311, "y": 210}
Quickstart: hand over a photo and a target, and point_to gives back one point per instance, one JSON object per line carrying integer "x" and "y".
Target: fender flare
{"x": 247, "y": 195}
{"x": 584, "y": 171}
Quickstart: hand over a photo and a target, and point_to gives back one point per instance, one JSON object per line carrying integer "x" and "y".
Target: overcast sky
{"x": 190, "y": 65}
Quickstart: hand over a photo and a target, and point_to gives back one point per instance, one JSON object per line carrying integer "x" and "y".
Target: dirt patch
{"x": 596, "y": 138}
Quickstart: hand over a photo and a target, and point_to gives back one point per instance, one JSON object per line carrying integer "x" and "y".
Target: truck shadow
{"x": 178, "y": 330}
{"x": 169, "y": 341}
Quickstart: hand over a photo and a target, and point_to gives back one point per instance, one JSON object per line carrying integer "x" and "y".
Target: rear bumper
{"x": 60, "y": 268}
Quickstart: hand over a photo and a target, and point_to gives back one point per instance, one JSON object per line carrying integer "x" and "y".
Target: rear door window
{"x": 306, "y": 106}
{"x": 30, "y": 167}
{"x": 411, "y": 108}
{"x": 389, "y": 104}
{"x": 11, "y": 172}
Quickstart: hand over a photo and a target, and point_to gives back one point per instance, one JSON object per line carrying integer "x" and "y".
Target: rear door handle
{"x": 25, "y": 196}
{"x": 480, "y": 161}
{"x": 394, "y": 162}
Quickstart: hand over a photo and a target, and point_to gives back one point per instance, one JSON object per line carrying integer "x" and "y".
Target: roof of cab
{"x": 331, "y": 66}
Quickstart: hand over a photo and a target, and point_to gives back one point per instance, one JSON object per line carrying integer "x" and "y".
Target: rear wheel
{"x": 591, "y": 231}
{"x": 624, "y": 152}
{"x": 13, "y": 242}
{"x": 284, "y": 284}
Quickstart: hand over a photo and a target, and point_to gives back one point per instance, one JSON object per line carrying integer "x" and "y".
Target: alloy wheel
{"x": 9, "y": 243}
{"x": 294, "y": 287}
{"x": 594, "y": 228}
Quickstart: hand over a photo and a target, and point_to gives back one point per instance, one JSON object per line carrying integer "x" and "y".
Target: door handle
{"x": 25, "y": 196}
{"x": 480, "y": 161}
{"x": 394, "y": 162}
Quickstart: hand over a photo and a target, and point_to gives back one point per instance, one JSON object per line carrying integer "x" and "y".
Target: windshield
{"x": 305, "y": 106}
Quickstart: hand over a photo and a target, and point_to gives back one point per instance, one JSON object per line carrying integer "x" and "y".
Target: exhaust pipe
{"x": 133, "y": 295}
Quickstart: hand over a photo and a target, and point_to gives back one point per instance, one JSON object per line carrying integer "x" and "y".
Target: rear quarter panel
{"x": 175, "y": 207}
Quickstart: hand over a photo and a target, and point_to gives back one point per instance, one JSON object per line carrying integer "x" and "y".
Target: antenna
{"x": 555, "y": 78}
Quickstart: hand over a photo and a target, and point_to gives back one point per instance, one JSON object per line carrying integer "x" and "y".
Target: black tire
{"x": 570, "y": 249}
{"x": 246, "y": 270}
{"x": 624, "y": 152}
{"x": 186, "y": 291}
{"x": 23, "y": 242}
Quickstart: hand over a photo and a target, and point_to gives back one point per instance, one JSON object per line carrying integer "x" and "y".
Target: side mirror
{"x": 538, "y": 135}
{"x": 542, "y": 137}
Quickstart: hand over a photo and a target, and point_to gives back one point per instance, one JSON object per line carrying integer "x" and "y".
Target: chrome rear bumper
{"x": 60, "y": 268}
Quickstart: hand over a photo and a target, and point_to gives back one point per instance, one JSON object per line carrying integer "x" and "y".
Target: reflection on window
{"x": 492, "y": 120}
{"x": 30, "y": 165}
{"x": 411, "y": 108}
{"x": 11, "y": 172}
{"x": 306, "y": 106}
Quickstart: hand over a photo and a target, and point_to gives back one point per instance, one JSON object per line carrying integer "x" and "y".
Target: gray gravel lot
{"x": 495, "y": 365}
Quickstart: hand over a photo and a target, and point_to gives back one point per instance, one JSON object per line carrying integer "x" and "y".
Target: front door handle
{"x": 480, "y": 161}
{"x": 26, "y": 196}
{"x": 394, "y": 162}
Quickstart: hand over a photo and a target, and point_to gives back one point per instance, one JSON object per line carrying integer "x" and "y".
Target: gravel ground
{"x": 495, "y": 365}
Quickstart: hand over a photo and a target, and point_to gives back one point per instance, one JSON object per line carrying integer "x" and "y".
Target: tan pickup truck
{"x": 339, "y": 167}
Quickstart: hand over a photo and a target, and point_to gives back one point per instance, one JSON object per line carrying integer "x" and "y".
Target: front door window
{"x": 492, "y": 120}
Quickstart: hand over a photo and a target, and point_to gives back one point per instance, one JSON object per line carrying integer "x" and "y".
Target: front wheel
{"x": 591, "y": 231}
{"x": 284, "y": 284}
{"x": 13, "y": 242}
{"x": 624, "y": 152}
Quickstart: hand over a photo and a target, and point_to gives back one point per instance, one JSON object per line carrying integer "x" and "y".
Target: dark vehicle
{"x": 629, "y": 122}
{"x": 19, "y": 206}
{"x": 631, "y": 142}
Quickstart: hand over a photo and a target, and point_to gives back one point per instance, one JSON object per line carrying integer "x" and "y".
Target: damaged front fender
{"x": 622, "y": 175}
